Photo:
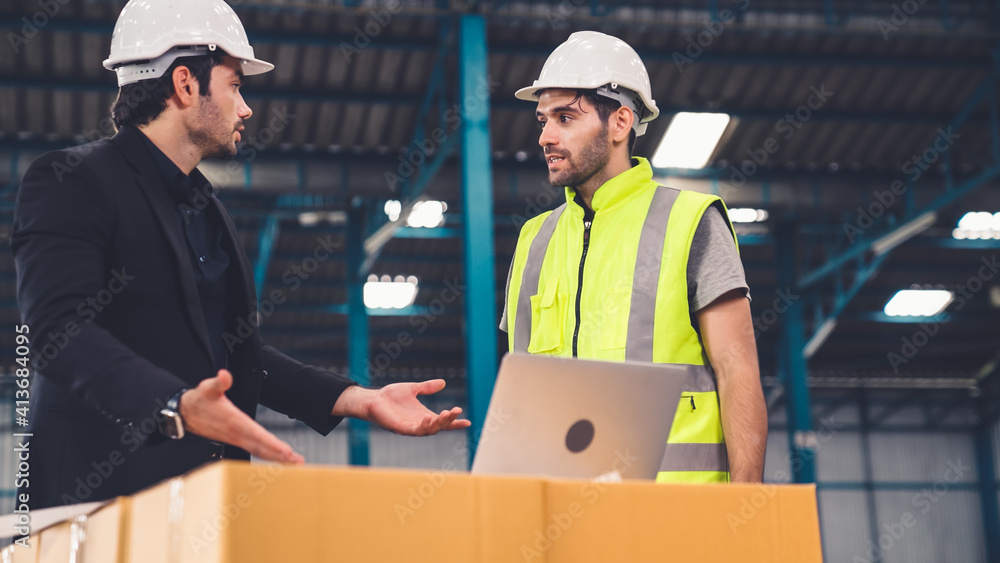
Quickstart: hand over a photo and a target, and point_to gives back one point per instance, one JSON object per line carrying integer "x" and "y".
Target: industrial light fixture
{"x": 918, "y": 302}
{"x": 978, "y": 225}
{"x": 690, "y": 140}
{"x": 313, "y": 218}
{"x": 747, "y": 215}
{"x": 309, "y": 218}
{"x": 903, "y": 233}
{"x": 426, "y": 214}
{"x": 390, "y": 293}
{"x": 392, "y": 209}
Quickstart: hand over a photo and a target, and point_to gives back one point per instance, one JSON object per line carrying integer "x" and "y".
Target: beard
{"x": 594, "y": 156}
{"x": 213, "y": 139}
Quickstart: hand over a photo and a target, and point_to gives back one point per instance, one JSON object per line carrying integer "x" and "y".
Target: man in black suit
{"x": 136, "y": 290}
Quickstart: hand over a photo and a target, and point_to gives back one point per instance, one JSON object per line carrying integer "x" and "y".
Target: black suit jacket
{"x": 106, "y": 287}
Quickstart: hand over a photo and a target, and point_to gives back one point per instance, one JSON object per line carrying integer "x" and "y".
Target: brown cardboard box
{"x": 236, "y": 512}
{"x": 638, "y": 521}
{"x": 54, "y": 543}
{"x": 19, "y": 554}
{"x": 107, "y": 533}
{"x": 100, "y": 535}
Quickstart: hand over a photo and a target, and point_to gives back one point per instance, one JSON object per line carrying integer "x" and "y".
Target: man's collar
{"x": 618, "y": 190}
{"x": 180, "y": 185}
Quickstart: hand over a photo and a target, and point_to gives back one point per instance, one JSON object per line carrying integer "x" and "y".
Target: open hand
{"x": 396, "y": 408}
{"x": 208, "y": 413}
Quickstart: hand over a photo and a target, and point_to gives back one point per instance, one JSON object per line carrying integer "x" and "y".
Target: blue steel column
{"x": 265, "y": 247}
{"x": 988, "y": 486}
{"x": 357, "y": 328}
{"x": 801, "y": 437}
{"x": 477, "y": 207}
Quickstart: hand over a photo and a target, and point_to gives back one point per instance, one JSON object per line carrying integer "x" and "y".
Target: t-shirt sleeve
{"x": 714, "y": 265}
{"x": 503, "y": 316}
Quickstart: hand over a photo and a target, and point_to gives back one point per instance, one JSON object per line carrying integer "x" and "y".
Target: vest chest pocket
{"x": 614, "y": 328}
{"x": 548, "y": 318}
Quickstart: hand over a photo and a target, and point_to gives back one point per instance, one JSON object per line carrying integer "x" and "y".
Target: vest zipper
{"x": 579, "y": 285}
{"x": 692, "y": 400}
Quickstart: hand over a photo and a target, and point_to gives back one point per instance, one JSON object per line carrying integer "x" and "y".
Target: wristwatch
{"x": 171, "y": 423}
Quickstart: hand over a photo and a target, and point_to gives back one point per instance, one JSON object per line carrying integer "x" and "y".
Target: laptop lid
{"x": 565, "y": 417}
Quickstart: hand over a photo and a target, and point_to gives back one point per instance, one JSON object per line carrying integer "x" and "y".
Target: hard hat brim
{"x": 255, "y": 66}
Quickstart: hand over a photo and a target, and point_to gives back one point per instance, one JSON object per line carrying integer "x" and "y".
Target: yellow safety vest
{"x": 627, "y": 299}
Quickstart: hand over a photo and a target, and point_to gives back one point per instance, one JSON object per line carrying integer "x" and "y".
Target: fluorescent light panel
{"x": 690, "y": 140}
{"x": 747, "y": 215}
{"x": 426, "y": 214}
{"x": 390, "y": 293}
{"x": 918, "y": 302}
{"x": 978, "y": 225}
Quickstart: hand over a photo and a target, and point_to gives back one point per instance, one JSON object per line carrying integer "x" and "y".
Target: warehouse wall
{"x": 899, "y": 495}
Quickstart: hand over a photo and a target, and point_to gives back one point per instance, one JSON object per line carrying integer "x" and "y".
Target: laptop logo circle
{"x": 580, "y": 435}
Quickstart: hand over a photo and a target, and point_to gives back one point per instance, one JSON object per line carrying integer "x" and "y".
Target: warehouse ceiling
{"x": 833, "y": 104}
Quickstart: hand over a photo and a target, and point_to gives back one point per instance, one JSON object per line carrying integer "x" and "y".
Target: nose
{"x": 243, "y": 111}
{"x": 548, "y": 136}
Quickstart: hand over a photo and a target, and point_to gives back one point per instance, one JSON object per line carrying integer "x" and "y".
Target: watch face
{"x": 170, "y": 425}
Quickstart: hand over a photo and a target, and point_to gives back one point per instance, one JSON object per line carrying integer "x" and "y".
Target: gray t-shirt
{"x": 714, "y": 266}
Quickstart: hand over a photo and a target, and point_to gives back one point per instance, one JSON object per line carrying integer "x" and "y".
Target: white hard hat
{"x": 589, "y": 60}
{"x": 151, "y": 34}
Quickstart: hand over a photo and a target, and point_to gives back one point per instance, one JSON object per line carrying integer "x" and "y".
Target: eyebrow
{"x": 560, "y": 109}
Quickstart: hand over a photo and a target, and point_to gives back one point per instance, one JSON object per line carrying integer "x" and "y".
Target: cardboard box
{"x": 96, "y": 532}
{"x": 19, "y": 554}
{"x": 236, "y": 512}
{"x": 229, "y": 512}
{"x": 107, "y": 533}
{"x": 54, "y": 544}
{"x": 638, "y": 521}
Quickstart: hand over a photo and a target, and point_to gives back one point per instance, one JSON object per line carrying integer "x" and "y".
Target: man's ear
{"x": 621, "y": 124}
{"x": 185, "y": 86}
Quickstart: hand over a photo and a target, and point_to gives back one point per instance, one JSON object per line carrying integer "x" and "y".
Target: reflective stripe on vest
{"x": 683, "y": 461}
{"x": 695, "y": 457}
{"x": 532, "y": 271}
{"x": 642, "y": 311}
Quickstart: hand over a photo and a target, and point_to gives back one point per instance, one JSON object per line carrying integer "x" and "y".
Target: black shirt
{"x": 203, "y": 228}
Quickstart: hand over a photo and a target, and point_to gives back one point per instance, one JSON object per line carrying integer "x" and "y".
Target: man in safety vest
{"x": 630, "y": 270}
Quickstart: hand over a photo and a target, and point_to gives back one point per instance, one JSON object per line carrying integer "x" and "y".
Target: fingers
{"x": 223, "y": 380}
{"x": 246, "y": 433}
{"x": 210, "y": 414}
{"x": 218, "y": 385}
{"x": 261, "y": 443}
{"x": 430, "y": 386}
{"x": 446, "y": 420}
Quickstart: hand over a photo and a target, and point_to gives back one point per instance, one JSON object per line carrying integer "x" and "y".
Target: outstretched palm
{"x": 396, "y": 407}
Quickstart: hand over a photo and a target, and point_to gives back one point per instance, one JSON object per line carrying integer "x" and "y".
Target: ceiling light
{"x": 309, "y": 218}
{"x": 427, "y": 214}
{"x": 978, "y": 225}
{"x": 747, "y": 215}
{"x": 390, "y": 293}
{"x": 392, "y": 209}
{"x": 690, "y": 140}
{"x": 918, "y": 302}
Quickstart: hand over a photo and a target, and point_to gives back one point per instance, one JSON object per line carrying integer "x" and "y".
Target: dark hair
{"x": 140, "y": 102}
{"x": 605, "y": 107}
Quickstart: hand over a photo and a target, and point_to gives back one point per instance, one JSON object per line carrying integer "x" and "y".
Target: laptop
{"x": 585, "y": 419}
